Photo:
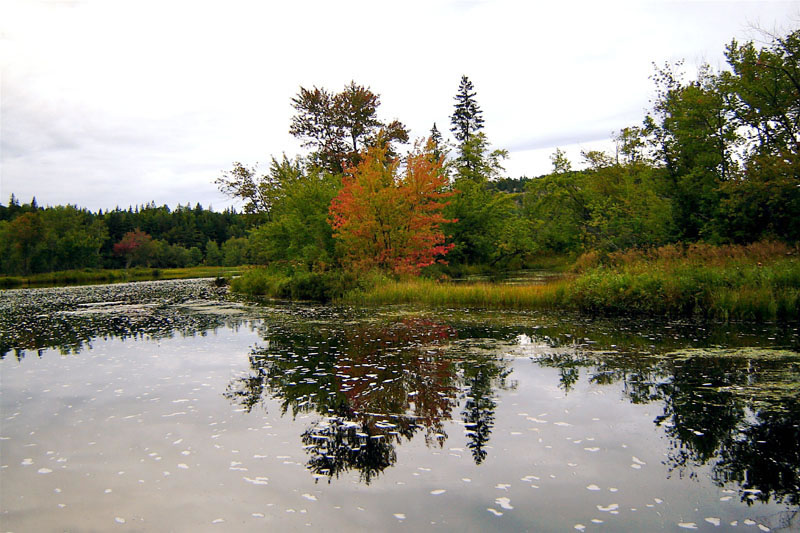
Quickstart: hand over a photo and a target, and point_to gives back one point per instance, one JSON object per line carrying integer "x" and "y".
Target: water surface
{"x": 168, "y": 406}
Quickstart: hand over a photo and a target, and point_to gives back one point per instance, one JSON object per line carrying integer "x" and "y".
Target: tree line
{"x": 35, "y": 239}
{"x": 716, "y": 159}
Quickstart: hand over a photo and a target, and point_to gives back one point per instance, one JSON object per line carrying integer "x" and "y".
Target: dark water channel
{"x": 166, "y": 406}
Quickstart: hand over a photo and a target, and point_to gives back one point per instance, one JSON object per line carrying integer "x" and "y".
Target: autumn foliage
{"x": 388, "y": 215}
{"x": 136, "y": 247}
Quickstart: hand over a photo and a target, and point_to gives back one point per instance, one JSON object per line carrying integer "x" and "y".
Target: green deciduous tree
{"x": 213, "y": 255}
{"x": 763, "y": 89}
{"x": 480, "y": 218}
{"x": 299, "y": 233}
{"x": 695, "y": 139}
{"x": 74, "y": 238}
{"x": 260, "y": 193}
{"x": 608, "y": 207}
{"x": 476, "y": 162}
{"x": 24, "y": 240}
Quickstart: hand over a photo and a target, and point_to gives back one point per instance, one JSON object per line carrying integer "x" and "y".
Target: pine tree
{"x": 438, "y": 142}
{"x": 467, "y": 118}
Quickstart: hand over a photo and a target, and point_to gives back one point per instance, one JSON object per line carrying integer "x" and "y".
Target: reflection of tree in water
{"x": 376, "y": 385}
{"x": 481, "y": 376}
{"x": 712, "y": 416}
{"x": 337, "y": 445}
{"x": 568, "y": 365}
{"x": 738, "y": 413}
{"x": 765, "y": 458}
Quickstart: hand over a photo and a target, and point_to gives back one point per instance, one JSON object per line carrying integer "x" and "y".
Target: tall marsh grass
{"x": 443, "y": 294}
{"x": 760, "y": 281}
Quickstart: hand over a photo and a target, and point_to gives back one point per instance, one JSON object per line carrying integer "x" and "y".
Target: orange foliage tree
{"x": 389, "y": 216}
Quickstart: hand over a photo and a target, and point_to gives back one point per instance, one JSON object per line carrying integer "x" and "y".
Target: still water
{"x": 169, "y": 406}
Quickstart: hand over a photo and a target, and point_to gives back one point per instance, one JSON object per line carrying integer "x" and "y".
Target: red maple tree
{"x": 135, "y": 246}
{"x": 390, "y": 217}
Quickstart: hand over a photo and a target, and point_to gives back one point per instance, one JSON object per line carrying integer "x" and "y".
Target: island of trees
{"x": 709, "y": 180}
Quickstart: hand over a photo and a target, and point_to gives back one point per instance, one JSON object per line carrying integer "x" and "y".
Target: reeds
{"x": 445, "y": 294}
{"x": 760, "y": 281}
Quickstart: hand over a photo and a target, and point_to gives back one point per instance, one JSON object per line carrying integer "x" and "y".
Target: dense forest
{"x": 35, "y": 239}
{"x": 716, "y": 160}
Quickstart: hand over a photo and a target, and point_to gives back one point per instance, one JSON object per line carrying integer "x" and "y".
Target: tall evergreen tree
{"x": 467, "y": 118}
{"x": 438, "y": 142}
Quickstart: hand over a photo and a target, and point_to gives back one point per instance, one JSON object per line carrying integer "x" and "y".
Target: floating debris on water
{"x": 504, "y": 502}
{"x": 608, "y": 508}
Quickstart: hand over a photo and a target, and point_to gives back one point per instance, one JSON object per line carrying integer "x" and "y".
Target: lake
{"x": 171, "y": 406}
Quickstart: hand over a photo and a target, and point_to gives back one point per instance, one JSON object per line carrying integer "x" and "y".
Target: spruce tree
{"x": 438, "y": 142}
{"x": 467, "y": 118}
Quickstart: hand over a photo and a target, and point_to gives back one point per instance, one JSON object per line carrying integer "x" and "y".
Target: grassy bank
{"x": 89, "y": 276}
{"x": 755, "y": 282}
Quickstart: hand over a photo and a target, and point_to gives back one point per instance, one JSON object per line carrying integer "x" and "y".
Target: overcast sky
{"x": 115, "y": 103}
